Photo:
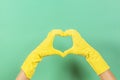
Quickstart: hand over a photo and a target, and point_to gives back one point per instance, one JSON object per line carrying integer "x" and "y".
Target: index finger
{"x": 74, "y": 34}
{"x": 51, "y": 35}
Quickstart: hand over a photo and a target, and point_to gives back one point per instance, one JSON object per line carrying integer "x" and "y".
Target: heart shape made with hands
{"x": 75, "y": 36}
{"x": 63, "y": 34}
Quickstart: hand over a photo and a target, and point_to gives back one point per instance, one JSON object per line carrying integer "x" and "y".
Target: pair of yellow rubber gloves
{"x": 80, "y": 47}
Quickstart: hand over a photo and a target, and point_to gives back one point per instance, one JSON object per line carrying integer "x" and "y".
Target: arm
{"x": 22, "y": 76}
{"x": 107, "y": 75}
{"x": 44, "y": 49}
{"x": 93, "y": 57}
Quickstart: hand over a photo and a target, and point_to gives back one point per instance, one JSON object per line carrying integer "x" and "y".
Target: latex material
{"x": 81, "y": 47}
{"x": 44, "y": 49}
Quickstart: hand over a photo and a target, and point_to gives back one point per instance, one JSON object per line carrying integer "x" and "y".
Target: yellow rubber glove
{"x": 81, "y": 47}
{"x": 44, "y": 49}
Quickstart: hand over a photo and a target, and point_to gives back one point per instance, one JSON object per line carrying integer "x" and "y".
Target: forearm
{"x": 22, "y": 76}
{"x": 29, "y": 66}
{"x": 107, "y": 75}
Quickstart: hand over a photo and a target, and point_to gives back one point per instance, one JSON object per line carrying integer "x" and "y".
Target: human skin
{"x": 107, "y": 75}
{"x": 104, "y": 75}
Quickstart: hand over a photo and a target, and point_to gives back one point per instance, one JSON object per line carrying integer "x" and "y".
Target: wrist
{"x": 97, "y": 62}
{"x": 30, "y": 64}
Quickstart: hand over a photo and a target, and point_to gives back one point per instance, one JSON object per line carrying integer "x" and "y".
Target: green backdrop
{"x": 25, "y": 23}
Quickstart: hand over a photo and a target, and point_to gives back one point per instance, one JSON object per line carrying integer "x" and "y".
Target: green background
{"x": 25, "y": 23}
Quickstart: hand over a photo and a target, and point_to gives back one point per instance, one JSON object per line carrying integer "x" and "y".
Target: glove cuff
{"x": 97, "y": 62}
{"x": 30, "y": 64}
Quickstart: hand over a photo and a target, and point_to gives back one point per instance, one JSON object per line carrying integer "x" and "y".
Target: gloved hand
{"x": 44, "y": 49}
{"x": 81, "y": 47}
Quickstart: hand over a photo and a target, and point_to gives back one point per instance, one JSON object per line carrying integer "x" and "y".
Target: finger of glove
{"x": 56, "y": 32}
{"x": 71, "y": 50}
{"x": 71, "y": 32}
{"x": 51, "y": 36}
{"x": 74, "y": 34}
{"x": 57, "y": 52}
